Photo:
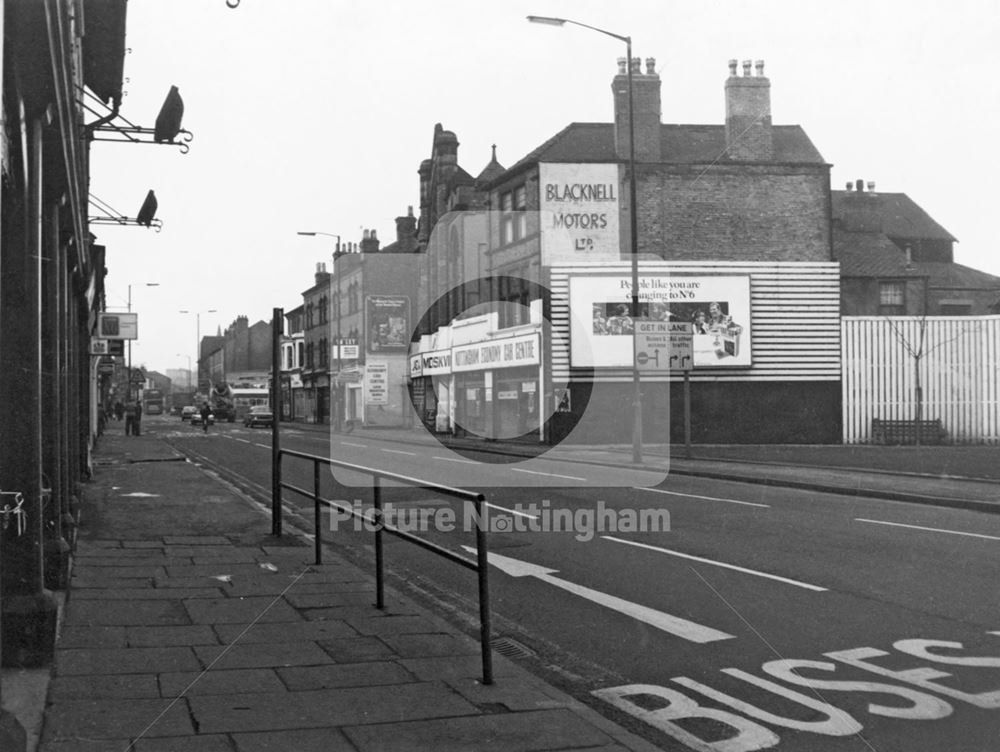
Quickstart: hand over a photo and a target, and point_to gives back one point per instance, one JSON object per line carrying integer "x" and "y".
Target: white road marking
{"x": 931, "y": 529}
{"x": 551, "y": 475}
{"x": 674, "y": 625}
{"x": 455, "y": 459}
{"x": 399, "y": 451}
{"x": 263, "y": 446}
{"x": 706, "y": 498}
{"x": 786, "y": 580}
{"x": 245, "y": 441}
{"x": 351, "y": 443}
{"x": 512, "y": 511}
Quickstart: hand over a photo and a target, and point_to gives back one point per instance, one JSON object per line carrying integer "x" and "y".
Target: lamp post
{"x": 128, "y": 383}
{"x": 197, "y": 348}
{"x": 338, "y": 402}
{"x": 633, "y": 220}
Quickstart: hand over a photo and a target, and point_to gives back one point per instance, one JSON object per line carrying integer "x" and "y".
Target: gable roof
{"x": 679, "y": 144}
{"x": 956, "y": 276}
{"x": 871, "y": 255}
{"x": 900, "y": 216}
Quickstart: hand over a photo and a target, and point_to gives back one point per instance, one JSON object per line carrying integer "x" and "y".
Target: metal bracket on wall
{"x": 17, "y": 511}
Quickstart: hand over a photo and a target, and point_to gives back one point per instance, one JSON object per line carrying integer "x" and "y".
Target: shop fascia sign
{"x": 432, "y": 363}
{"x": 510, "y": 352}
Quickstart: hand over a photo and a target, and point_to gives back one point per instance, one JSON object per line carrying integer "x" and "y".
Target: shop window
{"x": 892, "y": 301}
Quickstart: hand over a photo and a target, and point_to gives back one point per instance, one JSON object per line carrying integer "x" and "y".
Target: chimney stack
{"x": 646, "y": 106}
{"x": 748, "y": 114}
{"x": 369, "y": 242}
{"x": 406, "y": 229}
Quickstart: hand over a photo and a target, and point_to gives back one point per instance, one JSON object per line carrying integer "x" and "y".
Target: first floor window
{"x": 892, "y": 300}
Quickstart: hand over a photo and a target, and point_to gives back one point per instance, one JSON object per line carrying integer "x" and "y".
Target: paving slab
{"x": 293, "y": 632}
{"x": 262, "y": 655}
{"x": 300, "y": 740}
{"x": 148, "y": 637}
{"x": 104, "y": 686}
{"x": 344, "y": 675}
{"x": 201, "y": 743}
{"x": 240, "y": 610}
{"x": 84, "y": 661}
{"x": 531, "y": 732}
{"x": 114, "y": 719}
{"x": 327, "y": 707}
{"x": 219, "y": 681}
{"x": 111, "y": 612}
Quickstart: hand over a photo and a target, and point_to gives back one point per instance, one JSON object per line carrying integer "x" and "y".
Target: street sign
{"x": 138, "y": 377}
{"x": 118, "y": 325}
{"x": 663, "y": 345}
{"x": 98, "y": 346}
{"x": 681, "y": 346}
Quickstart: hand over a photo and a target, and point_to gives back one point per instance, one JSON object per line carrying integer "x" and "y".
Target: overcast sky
{"x": 316, "y": 114}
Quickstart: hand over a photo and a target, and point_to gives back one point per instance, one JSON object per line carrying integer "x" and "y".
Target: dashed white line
{"x": 351, "y": 443}
{"x": 705, "y": 498}
{"x": 455, "y": 459}
{"x": 512, "y": 511}
{"x": 930, "y": 529}
{"x": 245, "y": 441}
{"x": 399, "y": 451}
{"x": 786, "y": 580}
{"x": 551, "y": 475}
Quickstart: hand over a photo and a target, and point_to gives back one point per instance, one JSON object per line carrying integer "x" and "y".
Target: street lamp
{"x": 128, "y": 384}
{"x": 338, "y": 419}
{"x": 633, "y": 220}
{"x": 197, "y": 348}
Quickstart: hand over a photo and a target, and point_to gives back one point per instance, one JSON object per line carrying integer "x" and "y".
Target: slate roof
{"x": 901, "y": 216}
{"x": 957, "y": 276}
{"x": 871, "y": 255}
{"x": 679, "y": 144}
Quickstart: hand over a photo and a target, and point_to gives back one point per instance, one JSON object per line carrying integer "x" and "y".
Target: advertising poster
{"x": 579, "y": 211}
{"x": 602, "y": 321}
{"x": 377, "y": 384}
{"x": 387, "y": 319}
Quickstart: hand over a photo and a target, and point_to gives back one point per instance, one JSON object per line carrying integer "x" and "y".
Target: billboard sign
{"x": 579, "y": 207}
{"x": 118, "y": 325}
{"x": 387, "y": 318}
{"x": 377, "y": 383}
{"x": 602, "y": 323}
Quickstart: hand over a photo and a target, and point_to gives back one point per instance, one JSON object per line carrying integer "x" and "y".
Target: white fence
{"x": 954, "y": 360}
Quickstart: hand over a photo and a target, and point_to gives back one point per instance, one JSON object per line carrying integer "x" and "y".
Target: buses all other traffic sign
{"x": 663, "y": 346}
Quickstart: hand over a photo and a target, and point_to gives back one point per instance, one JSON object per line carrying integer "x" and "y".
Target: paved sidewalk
{"x": 965, "y": 477}
{"x": 188, "y": 627}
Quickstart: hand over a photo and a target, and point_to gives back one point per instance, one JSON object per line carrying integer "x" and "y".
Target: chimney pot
{"x": 732, "y": 66}
{"x": 871, "y": 186}
{"x": 621, "y": 66}
{"x": 636, "y": 65}
{"x": 746, "y": 67}
{"x": 364, "y": 235}
{"x": 860, "y": 185}
{"x": 849, "y": 186}
{"x": 409, "y": 211}
{"x": 760, "y": 67}
{"x": 650, "y": 66}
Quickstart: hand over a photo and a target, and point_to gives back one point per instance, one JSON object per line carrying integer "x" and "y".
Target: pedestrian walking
{"x": 130, "y": 408}
{"x": 119, "y": 410}
{"x": 206, "y": 411}
{"x": 137, "y": 426}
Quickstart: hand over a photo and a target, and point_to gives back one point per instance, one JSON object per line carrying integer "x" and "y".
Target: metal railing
{"x": 377, "y": 521}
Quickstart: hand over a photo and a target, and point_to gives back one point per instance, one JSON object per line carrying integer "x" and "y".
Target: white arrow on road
{"x": 674, "y": 625}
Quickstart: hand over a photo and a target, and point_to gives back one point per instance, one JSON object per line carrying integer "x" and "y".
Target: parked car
{"x": 196, "y": 419}
{"x": 259, "y": 415}
{"x": 188, "y": 411}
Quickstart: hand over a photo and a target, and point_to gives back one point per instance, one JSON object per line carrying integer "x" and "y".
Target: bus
{"x": 152, "y": 402}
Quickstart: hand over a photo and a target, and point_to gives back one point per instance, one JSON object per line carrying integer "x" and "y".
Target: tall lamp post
{"x": 128, "y": 386}
{"x": 633, "y": 220}
{"x": 197, "y": 347}
{"x": 338, "y": 403}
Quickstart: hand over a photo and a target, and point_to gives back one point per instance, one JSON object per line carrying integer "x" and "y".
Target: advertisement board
{"x": 377, "y": 383}
{"x": 716, "y": 306}
{"x": 118, "y": 325}
{"x": 387, "y": 319}
{"x": 579, "y": 207}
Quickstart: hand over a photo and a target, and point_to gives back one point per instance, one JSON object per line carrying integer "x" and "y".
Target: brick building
{"x": 739, "y": 210}
{"x": 896, "y": 260}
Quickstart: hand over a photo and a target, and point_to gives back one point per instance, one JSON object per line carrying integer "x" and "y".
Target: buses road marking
{"x": 551, "y": 475}
{"x": 706, "y": 498}
{"x": 931, "y": 529}
{"x": 778, "y": 578}
{"x": 674, "y": 625}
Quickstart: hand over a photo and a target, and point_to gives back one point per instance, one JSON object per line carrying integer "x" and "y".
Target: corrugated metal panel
{"x": 795, "y": 320}
{"x": 958, "y": 360}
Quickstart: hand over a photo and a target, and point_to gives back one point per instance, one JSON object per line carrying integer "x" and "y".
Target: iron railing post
{"x": 379, "y": 564}
{"x": 482, "y": 570}
{"x": 317, "y": 514}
